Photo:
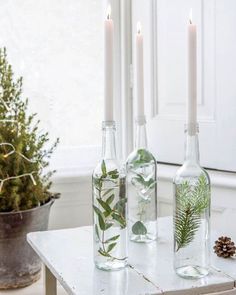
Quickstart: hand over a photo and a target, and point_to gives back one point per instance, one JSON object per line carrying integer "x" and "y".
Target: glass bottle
{"x": 109, "y": 206}
{"x": 191, "y": 212}
{"x": 141, "y": 172}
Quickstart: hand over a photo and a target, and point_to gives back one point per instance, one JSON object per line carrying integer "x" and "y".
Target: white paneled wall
{"x": 164, "y": 25}
{"x": 74, "y": 207}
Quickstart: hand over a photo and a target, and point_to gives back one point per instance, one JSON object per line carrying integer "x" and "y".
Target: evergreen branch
{"x": 27, "y": 152}
{"x": 186, "y": 226}
{"x": 191, "y": 201}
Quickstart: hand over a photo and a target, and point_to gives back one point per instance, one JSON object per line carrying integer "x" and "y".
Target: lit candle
{"x": 192, "y": 77}
{"x": 139, "y": 72}
{"x": 108, "y": 72}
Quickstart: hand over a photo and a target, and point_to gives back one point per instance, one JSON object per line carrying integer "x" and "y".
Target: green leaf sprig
{"x": 108, "y": 213}
{"x": 143, "y": 158}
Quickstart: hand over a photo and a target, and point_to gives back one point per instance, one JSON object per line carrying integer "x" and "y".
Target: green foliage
{"x": 186, "y": 226}
{"x": 107, "y": 212}
{"x": 147, "y": 184}
{"x": 21, "y": 130}
{"x": 143, "y": 157}
{"x": 139, "y": 228}
{"x": 143, "y": 186}
{"x": 192, "y": 201}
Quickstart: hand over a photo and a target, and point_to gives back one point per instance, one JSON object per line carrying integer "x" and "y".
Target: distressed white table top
{"x": 69, "y": 256}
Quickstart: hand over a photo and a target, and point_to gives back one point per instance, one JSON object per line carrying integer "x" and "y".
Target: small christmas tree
{"x": 23, "y": 154}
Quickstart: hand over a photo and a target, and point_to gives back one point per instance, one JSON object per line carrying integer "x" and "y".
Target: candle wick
{"x": 109, "y": 12}
{"x": 138, "y": 28}
{"x": 191, "y": 16}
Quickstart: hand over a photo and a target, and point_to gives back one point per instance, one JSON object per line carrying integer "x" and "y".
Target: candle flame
{"x": 109, "y": 12}
{"x": 191, "y": 16}
{"x": 139, "y": 28}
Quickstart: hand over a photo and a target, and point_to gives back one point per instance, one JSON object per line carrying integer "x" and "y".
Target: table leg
{"x": 50, "y": 283}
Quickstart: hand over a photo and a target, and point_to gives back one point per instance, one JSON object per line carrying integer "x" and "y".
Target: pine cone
{"x": 224, "y": 247}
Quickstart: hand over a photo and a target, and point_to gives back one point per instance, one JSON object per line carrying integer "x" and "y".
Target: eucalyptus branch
{"x": 107, "y": 212}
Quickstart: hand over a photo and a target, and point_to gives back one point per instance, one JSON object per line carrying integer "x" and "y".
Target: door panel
{"x": 165, "y": 62}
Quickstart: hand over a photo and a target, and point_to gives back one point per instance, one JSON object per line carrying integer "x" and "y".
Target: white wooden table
{"x": 68, "y": 257}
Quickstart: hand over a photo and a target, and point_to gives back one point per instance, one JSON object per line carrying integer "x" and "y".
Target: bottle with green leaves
{"x": 141, "y": 172}
{"x": 109, "y": 206}
{"x": 191, "y": 213}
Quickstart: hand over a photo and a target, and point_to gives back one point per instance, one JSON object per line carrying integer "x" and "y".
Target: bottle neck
{"x": 108, "y": 140}
{"x": 192, "y": 147}
{"x": 141, "y": 134}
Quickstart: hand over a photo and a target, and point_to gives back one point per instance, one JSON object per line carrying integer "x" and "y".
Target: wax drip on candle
{"x": 139, "y": 28}
{"x": 109, "y": 12}
{"x": 191, "y": 16}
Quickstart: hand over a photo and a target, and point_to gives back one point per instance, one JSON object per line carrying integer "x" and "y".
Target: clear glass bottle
{"x": 109, "y": 206}
{"x": 141, "y": 169}
{"x": 191, "y": 213}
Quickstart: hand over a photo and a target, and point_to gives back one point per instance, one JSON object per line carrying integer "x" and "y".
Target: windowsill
{"x": 71, "y": 175}
{"x": 166, "y": 172}
{"x": 74, "y": 164}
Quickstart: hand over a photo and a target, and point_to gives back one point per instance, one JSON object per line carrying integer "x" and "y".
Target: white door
{"x": 164, "y": 25}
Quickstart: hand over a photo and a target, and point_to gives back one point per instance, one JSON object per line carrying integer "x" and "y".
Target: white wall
{"x": 57, "y": 46}
{"x": 74, "y": 208}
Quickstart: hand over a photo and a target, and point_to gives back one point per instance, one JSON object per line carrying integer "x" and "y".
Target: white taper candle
{"x": 192, "y": 77}
{"x": 139, "y": 72}
{"x": 108, "y": 72}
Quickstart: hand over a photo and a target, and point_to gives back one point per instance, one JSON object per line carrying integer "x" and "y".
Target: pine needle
{"x": 192, "y": 201}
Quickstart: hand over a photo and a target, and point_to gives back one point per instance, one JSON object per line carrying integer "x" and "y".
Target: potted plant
{"x": 25, "y": 199}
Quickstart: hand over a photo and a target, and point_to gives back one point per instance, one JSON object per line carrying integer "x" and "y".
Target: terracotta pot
{"x": 19, "y": 264}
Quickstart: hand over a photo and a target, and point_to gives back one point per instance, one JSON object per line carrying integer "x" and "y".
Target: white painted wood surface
{"x": 69, "y": 256}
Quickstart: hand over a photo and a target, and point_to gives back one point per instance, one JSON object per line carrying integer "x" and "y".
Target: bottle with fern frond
{"x": 191, "y": 213}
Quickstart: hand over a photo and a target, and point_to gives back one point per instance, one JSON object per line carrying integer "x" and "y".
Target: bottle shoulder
{"x": 191, "y": 173}
{"x": 140, "y": 157}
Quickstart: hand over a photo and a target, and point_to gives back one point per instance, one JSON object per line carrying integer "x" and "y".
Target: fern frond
{"x": 201, "y": 195}
{"x": 183, "y": 191}
{"x": 186, "y": 225}
{"x": 191, "y": 202}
